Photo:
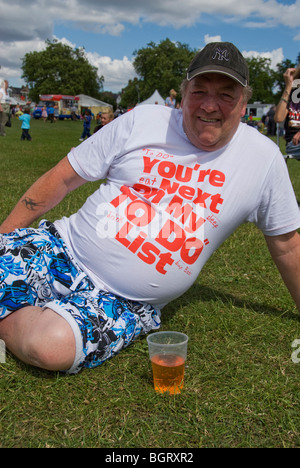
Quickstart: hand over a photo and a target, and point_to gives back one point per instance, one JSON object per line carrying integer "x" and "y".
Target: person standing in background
{"x": 25, "y": 118}
{"x": 4, "y": 106}
{"x": 171, "y": 100}
{"x": 271, "y": 122}
{"x": 44, "y": 114}
{"x": 51, "y": 114}
{"x": 86, "y": 125}
{"x": 288, "y": 110}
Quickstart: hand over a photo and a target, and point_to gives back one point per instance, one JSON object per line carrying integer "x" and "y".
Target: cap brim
{"x": 216, "y": 69}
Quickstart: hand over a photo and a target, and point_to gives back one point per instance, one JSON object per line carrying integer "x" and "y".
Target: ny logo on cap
{"x": 221, "y": 54}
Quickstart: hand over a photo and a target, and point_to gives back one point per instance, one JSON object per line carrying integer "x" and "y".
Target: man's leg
{"x": 3, "y": 120}
{"x": 38, "y": 337}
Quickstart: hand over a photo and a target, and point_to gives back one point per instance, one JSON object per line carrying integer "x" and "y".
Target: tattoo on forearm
{"x": 31, "y": 204}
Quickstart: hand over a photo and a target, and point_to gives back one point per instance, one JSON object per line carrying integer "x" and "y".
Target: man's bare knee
{"x": 41, "y": 338}
{"x": 51, "y": 345}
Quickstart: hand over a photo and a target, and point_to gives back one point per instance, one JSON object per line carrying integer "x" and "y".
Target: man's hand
{"x": 296, "y": 139}
{"x": 289, "y": 77}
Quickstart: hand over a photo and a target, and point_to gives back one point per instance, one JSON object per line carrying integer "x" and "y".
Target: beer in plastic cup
{"x": 167, "y": 351}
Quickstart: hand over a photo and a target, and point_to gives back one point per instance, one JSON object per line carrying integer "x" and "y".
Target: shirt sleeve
{"x": 278, "y": 211}
{"x": 92, "y": 159}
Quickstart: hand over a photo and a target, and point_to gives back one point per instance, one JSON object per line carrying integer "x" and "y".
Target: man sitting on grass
{"x": 179, "y": 182}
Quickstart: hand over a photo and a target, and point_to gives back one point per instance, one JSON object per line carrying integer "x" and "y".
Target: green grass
{"x": 241, "y": 386}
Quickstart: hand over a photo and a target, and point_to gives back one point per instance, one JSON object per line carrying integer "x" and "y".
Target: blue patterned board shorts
{"x": 36, "y": 268}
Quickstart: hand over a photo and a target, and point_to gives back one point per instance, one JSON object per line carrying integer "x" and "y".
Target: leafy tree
{"x": 59, "y": 69}
{"x": 131, "y": 94}
{"x": 261, "y": 79}
{"x": 109, "y": 97}
{"x": 160, "y": 66}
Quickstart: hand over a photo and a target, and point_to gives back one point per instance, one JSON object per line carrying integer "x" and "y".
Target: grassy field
{"x": 241, "y": 384}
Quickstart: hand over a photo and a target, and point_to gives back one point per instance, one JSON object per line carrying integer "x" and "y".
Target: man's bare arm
{"x": 285, "y": 251}
{"x": 43, "y": 195}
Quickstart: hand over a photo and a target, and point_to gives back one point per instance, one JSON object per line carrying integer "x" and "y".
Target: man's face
{"x": 212, "y": 108}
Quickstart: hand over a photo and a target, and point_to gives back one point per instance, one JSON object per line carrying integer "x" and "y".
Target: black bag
{"x": 8, "y": 123}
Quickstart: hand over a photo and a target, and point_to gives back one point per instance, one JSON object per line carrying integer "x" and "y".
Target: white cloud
{"x": 11, "y": 54}
{"x": 276, "y": 56}
{"x": 65, "y": 41}
{"x": 116, "y": 73}
{"x": 110, "y": 17}
{"x": 208, "y": 39}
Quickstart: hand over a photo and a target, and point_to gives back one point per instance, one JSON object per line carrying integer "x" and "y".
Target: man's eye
{"x": 227, "y": 97}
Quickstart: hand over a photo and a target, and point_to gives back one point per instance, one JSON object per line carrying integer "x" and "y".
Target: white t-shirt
{"x": 166, "y": 206}
{"x": 4, "y": 98}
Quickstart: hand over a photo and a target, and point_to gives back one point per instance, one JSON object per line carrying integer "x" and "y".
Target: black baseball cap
{"x": 223, "y": 58}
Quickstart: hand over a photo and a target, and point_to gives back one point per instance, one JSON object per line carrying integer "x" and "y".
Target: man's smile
{"x": 203, "y": 119}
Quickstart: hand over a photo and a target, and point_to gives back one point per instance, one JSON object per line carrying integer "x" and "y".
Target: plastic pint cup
{"x": 167, "y": 351}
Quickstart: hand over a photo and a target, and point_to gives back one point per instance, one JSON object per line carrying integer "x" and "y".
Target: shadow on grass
{"x": 205, "y": 294}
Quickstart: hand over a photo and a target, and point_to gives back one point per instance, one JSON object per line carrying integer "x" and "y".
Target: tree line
{"x": 60, "y": 69}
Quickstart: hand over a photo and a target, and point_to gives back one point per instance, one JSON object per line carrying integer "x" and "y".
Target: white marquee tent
{"x": 93, "y": 104}
{"x": 154, "y": 99}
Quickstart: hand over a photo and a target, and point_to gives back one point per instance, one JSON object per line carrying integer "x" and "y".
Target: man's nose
{"x": 209, "y": 103}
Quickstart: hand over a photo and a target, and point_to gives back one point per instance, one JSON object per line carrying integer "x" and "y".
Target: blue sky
{"x": 111, "y": 31}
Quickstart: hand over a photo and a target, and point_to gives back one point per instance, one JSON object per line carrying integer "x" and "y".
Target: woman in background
{"x": 288, "y": 110}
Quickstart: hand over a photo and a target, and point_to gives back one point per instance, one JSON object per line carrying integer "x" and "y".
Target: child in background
{"x": 25, "y": 118}
{"x": 44, "y": 114}
{"x": 86, "y": 125}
